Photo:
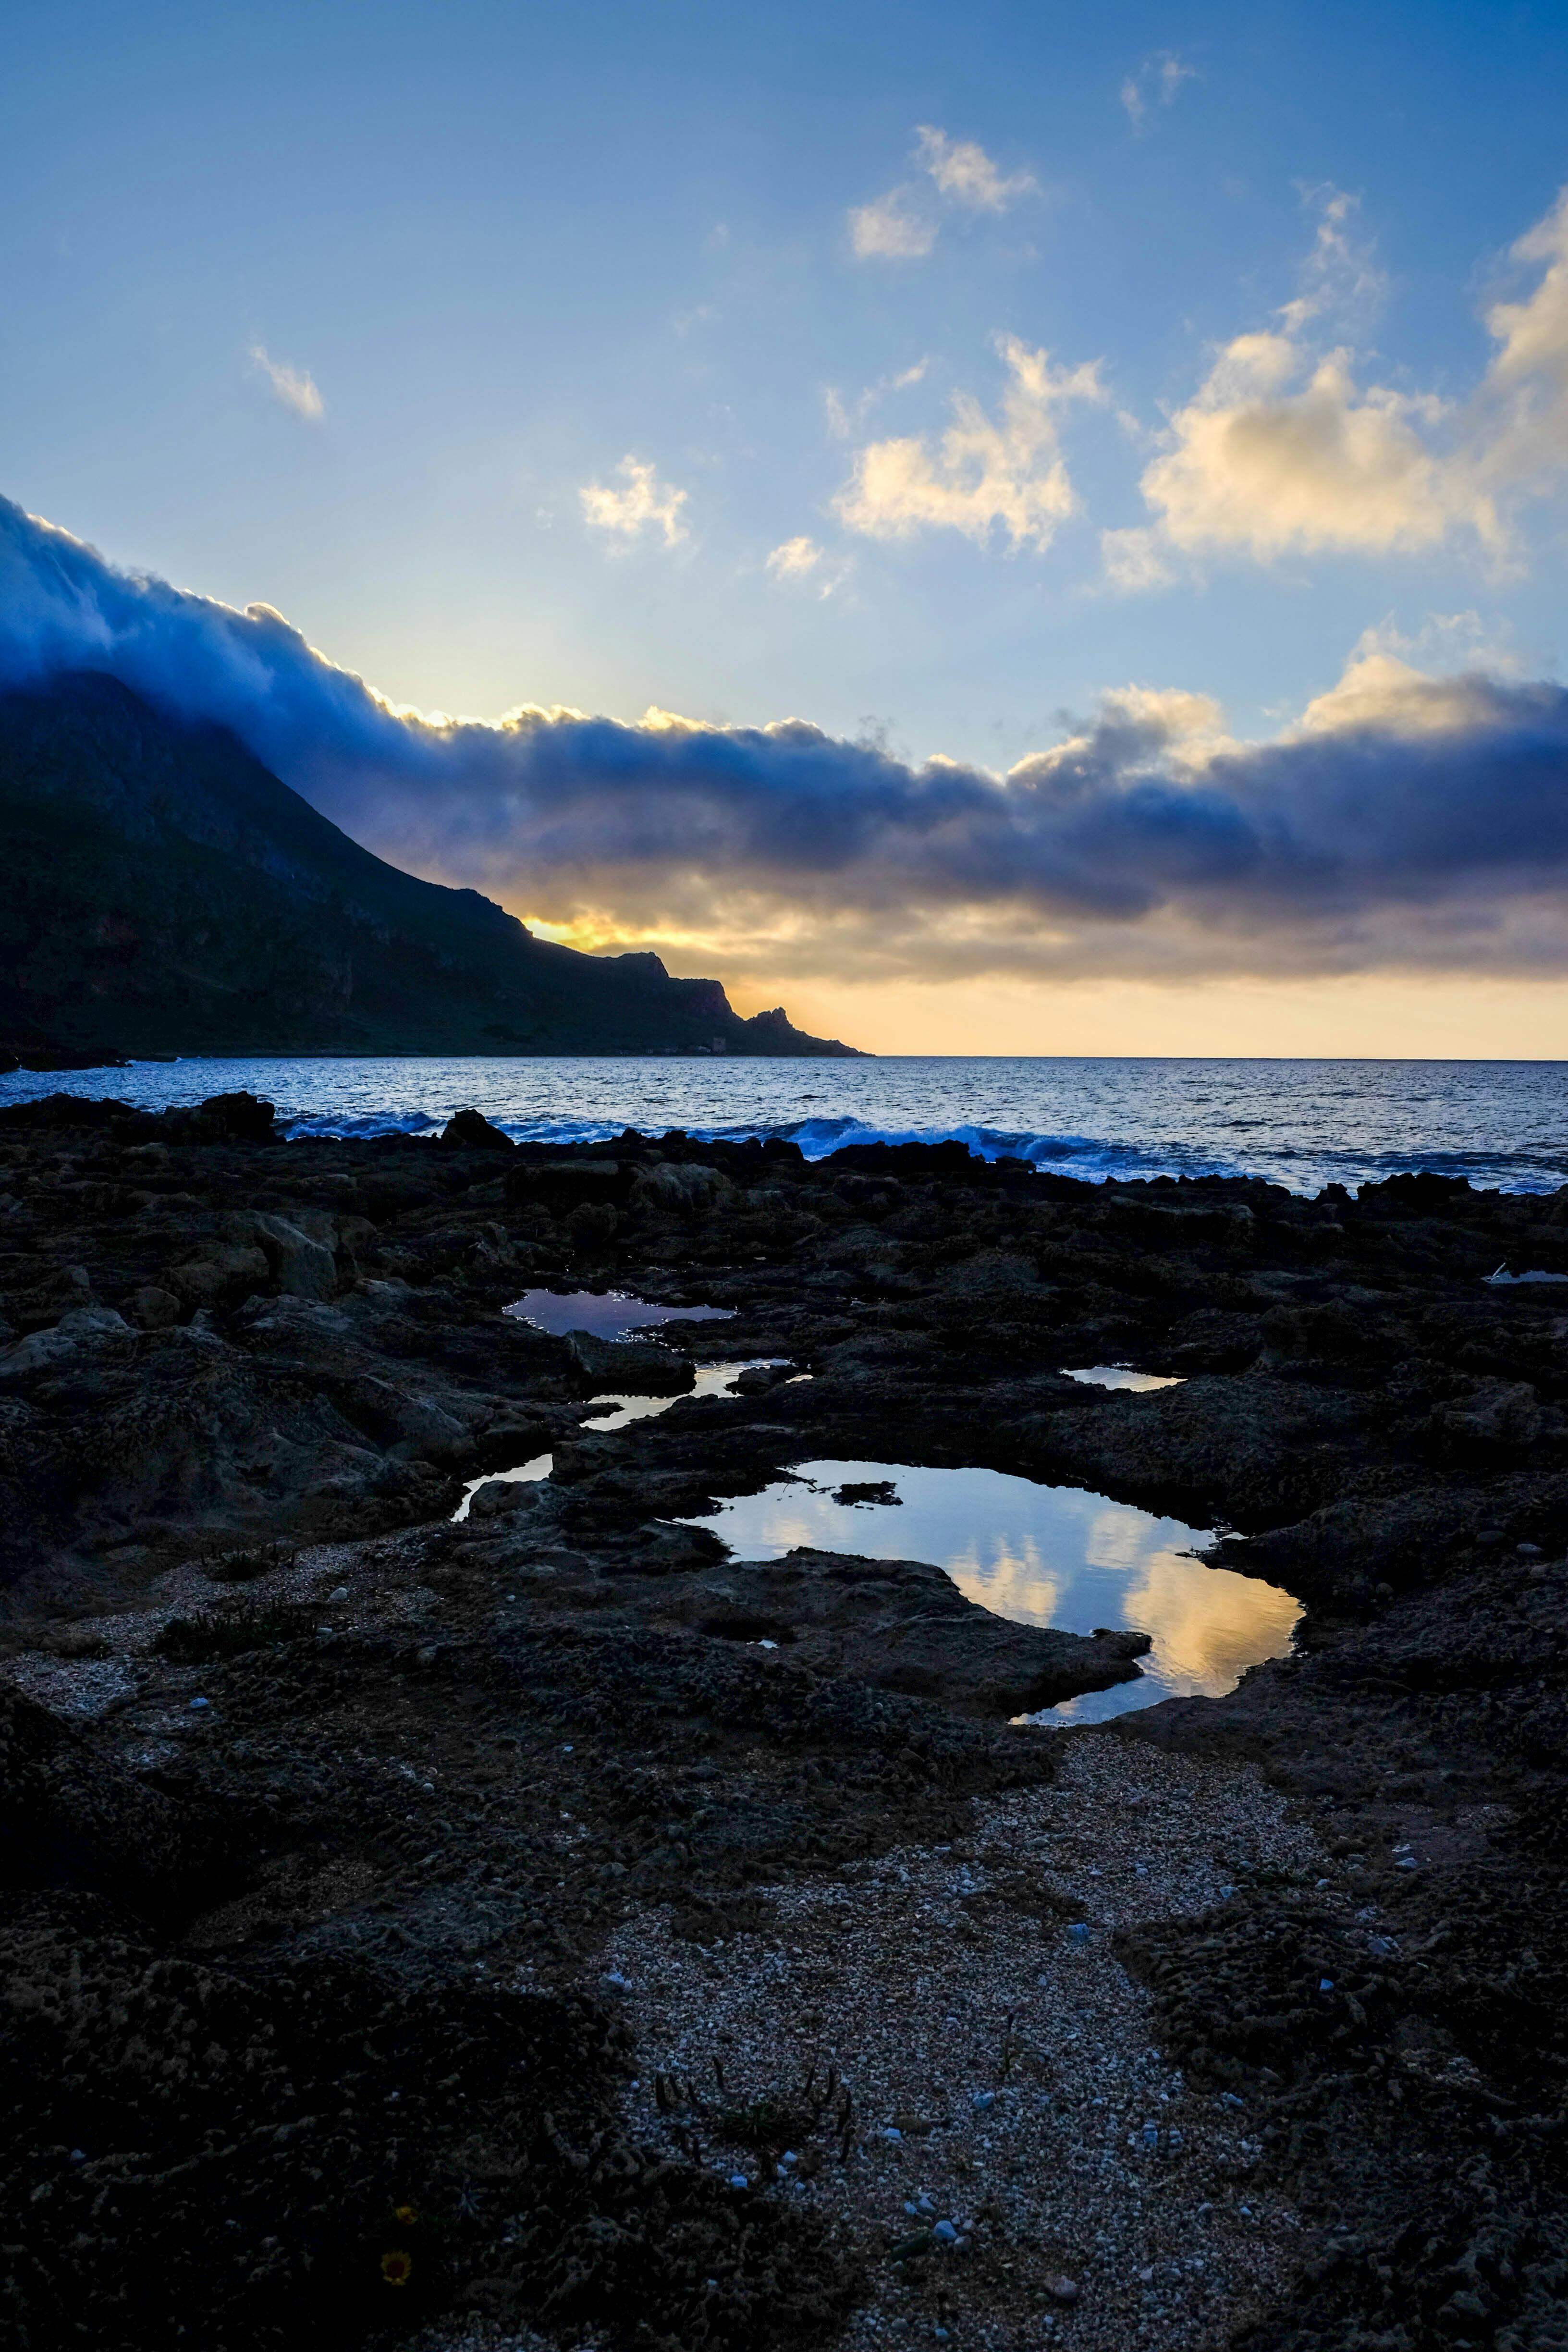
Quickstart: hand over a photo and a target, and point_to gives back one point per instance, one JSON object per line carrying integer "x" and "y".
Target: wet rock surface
{"x": 339, "y": 1841}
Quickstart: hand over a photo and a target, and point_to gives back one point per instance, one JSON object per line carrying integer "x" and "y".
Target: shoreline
{"x": 357, "y": 1780}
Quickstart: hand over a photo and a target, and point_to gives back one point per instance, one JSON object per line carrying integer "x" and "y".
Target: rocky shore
{"x": 533, "y": 1928}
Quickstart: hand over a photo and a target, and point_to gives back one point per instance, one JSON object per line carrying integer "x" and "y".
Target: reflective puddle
{"x": 1123, "y": 1376}
{"x": 712, "y": 1380}
{"x": 607, "y": 1314}
{"x": 1041, "y": 1555}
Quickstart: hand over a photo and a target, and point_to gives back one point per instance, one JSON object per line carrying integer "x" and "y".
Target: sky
{"x": 1020, "y": 530}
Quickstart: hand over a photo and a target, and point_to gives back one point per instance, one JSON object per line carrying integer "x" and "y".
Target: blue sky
{"x": 890, "y": 366}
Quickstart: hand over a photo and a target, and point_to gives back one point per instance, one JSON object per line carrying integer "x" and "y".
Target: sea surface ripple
{"x": 1303, "y": 1124}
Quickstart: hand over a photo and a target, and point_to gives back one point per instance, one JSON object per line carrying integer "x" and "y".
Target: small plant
{"x": 197, "y": 1641}
{"x": 244, "y": 1567}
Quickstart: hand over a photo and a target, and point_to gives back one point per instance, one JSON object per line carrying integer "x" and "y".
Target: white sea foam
{"x": 1299, "y": 1123}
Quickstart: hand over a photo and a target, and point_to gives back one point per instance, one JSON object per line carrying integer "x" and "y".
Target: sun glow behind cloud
{"x": 1403, "y": 823}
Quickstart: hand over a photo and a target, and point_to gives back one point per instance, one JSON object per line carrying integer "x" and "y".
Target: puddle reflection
{"x": 712, "y": 1380}
{"x": 605, "y": 1314}
{"x": 1123, "y": 1376}
{"x": 1043, "y": 1556}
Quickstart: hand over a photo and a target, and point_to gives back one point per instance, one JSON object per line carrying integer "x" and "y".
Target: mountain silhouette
{"x": 164, "y": 893}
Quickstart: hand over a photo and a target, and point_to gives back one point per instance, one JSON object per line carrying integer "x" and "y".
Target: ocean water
{"x": 1299, "y": 1123}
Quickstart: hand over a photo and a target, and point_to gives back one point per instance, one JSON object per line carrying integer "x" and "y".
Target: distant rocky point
{"x": 165, "y": 894}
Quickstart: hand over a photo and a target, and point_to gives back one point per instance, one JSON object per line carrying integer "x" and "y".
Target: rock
{"x": 301, "y": 1267}
{"x": 467, "y": 1130}
{"x": 680, "y": 1189}
{"x": 1062, "y": 2289}
{"x": 901, "y": 1624}
{"x": 152, "y": 1310}
{"x": 498, "y": 1498}
{"x": 630, "y": 1367}
{"x": 1498, "y": 1412}
{"x": 221, "y": 1270}
{"x": 94, "y": 1323}
{"x": 245, "y": 1116}
{"x": 85, "y": 1327}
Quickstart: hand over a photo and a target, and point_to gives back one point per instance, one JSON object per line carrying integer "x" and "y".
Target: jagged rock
{"x": 630, "y": 1367}
{"x": 245, "y": 1116}
{"x": 901, "y": 1624}
{"x": 680, "y": 1189}
{"x": 469, "y": 1130}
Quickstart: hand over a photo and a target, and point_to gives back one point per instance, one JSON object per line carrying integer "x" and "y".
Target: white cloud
{"x": 1340, "y": 274}
{"x": 1283, "y": 451}
{"x": 1156, "y": 83}
{"x": 1133, "y": 561}
{"x": 1523, "y": 402}
{"x": 1264, "y": 462}
{"x": 891, "y": 229}
{"x": 292, "y": 386}
{"x": 845, "y": 416}
{"x": 985, "y": 471}
{"x": 901, "y": 224}
{"x": 643, "y": 504}
{"x": 967, "y": 173}
{"x": 801, "y": 560}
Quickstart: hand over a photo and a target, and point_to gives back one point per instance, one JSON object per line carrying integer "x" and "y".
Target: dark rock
{"x": 901, "y": 1625}
{"x": 245, "y": 1117}
{"x": 629, "y": 1367}
{"x": 467, "y": 1130}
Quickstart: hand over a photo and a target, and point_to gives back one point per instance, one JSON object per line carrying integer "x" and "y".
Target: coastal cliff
{"x": 166, "y": 894}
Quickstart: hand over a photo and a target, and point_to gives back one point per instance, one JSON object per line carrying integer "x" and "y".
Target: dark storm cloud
{"x": 1410, "y": 818}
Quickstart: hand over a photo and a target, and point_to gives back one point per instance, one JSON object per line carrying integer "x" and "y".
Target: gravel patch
{"x": 942, "y": 2054}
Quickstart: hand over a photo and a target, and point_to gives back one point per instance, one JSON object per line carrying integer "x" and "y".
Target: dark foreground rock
{"x": 321, "y": 1811}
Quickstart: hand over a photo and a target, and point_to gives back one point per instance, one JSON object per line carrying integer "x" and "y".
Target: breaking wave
{"x": 1300, "y": 1124}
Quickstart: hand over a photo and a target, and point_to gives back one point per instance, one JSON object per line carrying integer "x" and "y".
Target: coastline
{"x": 492, "y": 1791}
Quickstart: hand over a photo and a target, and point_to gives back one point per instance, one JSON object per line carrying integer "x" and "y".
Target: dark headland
{"x": 536, "y": 1930}
{"x": 165, "y": 894}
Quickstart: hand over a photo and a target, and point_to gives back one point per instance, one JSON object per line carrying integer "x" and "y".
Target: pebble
{"x": 201, "y": 1702}
{"x": 338, "y": 1592}
{"x": 888, "y": 1958}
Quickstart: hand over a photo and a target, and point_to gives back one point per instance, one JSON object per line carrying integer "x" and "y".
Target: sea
{"x": 1301, "y": 1124}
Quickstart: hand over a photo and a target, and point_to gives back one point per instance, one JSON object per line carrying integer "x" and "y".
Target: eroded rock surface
{"x": 325, "y": 1818}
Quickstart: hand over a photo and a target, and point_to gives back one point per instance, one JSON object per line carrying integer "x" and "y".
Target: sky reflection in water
{"x": 1040, "y": 1555}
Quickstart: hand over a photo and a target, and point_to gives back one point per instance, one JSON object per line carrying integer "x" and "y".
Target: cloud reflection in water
{"x": 1039, "y": 1555}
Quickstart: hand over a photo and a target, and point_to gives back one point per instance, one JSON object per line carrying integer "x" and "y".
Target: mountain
{"x": 164, "y": 893}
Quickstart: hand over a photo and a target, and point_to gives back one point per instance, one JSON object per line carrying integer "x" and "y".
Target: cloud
{"x": 800, "y": 559}
{"x": 1280, "y": 453}
{"x": 846, "y": 417}
{"x": 293, "y": 387}
{"x": 1404, "y": 819}
{"x": 1283, "y": 451}
{"x": 902, "y": 224}
{"x": 1157, "y": 81}
{"x": 891, "y": 229}
{"x": 643, "y": 504}
{"x": 1340, "y": 274}
{"x": 1523, "y": 408}
{"x": 985, "y": 472}
{"x": 1133, "y": 561}
{"x": 965, "y": 172}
